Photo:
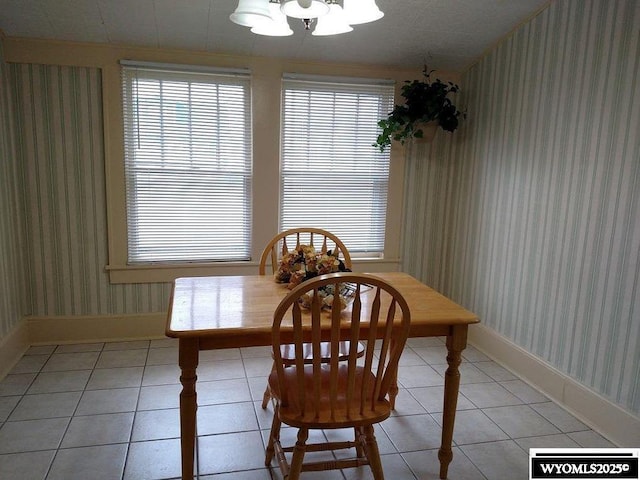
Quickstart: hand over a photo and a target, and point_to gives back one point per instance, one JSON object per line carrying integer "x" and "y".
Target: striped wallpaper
{"x": 58, "y": 114}
{"x": 529, "y": 215}
{"x": 12, "y": 253}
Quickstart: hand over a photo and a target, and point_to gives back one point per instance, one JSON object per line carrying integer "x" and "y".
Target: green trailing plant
{"x": 425, "y": 101}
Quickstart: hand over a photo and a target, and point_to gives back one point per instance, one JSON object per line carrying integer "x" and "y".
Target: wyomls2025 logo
{"x": 583, "y": 463}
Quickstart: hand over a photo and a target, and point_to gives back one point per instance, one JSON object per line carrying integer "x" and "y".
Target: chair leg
{"x": 393, "y": 392}
{"x": 267, "y": 393}
{"x": 265, "y": 397}
{"x": 274, "y": 435}
{"x": 298, "y": 454}
{"x": 373, "y": 454}
{"x": 358, "y": 440}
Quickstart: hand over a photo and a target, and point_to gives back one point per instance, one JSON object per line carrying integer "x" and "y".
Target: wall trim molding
{"x": 12, "y": 347}
{"x": 45, "y": 330}
{"x": 602, "y": 415}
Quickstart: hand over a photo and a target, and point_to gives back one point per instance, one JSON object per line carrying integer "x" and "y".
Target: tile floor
{"x": 110, "y": 411}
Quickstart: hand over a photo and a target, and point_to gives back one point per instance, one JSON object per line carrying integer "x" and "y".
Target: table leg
{"x": 456, "y": 342}
{"x": 188, "y": 360}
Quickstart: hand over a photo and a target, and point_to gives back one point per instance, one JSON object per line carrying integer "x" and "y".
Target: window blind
{"x": 331, "y": 175}
{"x": 187, "y": 164}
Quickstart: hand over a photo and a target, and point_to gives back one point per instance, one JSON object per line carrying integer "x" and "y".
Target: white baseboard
{"x": 100, "y": 328}
{"x": 76, "y": 329}
{"x": 616, "y": 424}
{"x": 12, "y": 347}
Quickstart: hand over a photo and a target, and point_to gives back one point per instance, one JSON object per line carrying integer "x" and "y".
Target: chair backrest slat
{"x": 384, "y": 351}
{"x": 378, "y": 311}
{"x": 353, "y": 348}
{"x": 334, "y": 348}
{"x": 371, "y": 340}
{"x": 299, "y": 351}
{"x": 316, "y": 340}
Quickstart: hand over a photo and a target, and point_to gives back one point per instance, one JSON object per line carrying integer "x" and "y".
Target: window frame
{"x": 266, "y": 76}
{"x": 330, "y": 91}
{"x": 165, "y": 87}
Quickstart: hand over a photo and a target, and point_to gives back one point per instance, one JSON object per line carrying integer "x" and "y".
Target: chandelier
{"x": 269, "y": 17}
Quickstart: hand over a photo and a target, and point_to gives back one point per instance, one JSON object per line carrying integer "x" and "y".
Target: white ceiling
{"x": 447, "y": 34}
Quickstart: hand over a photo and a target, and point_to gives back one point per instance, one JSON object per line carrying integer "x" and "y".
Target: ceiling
{"x": 449, "y": 35}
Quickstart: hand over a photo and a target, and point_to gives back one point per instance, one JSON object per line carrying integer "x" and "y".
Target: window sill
{"x": 163, "y": 273}
{"x": 168, "y": 272}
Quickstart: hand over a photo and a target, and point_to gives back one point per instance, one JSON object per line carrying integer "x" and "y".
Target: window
{"x": 331, "y": 175}
{"x": 187, "y": 163}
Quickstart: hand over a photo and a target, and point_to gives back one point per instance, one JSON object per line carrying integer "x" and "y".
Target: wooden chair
{"x": 347, "y": 394}
{"x": 280, "y": 246}
{"x": 316, "y": 237}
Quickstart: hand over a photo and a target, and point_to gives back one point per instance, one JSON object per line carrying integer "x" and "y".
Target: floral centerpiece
{"x": 304, "y": 263}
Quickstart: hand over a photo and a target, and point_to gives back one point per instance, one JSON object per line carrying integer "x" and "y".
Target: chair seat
{"x": 343, "y": 414}
{"x": 289, "y": 354}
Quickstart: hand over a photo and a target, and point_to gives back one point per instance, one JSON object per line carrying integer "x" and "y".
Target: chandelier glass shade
{"x": 304, "y": 8}
{"x": 277, "y": 26}
{"x": 269, "y": 17}
{"x": 251, "y": 12}
{"x": 361, "y": 11}
{"x": 333, "y": 23}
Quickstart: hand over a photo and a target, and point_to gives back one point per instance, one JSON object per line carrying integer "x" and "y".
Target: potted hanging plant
{"x": 427, "y": 106}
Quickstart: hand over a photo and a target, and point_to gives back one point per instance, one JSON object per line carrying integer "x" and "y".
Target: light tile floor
{"x": 110, "y": 411}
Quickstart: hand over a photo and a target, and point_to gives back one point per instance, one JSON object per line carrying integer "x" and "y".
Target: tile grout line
{"x": 245, "y": 356}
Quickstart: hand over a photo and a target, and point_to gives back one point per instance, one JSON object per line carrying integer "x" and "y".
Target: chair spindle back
{"x": 378, "y": 312}
{"x": 303, "y": 236}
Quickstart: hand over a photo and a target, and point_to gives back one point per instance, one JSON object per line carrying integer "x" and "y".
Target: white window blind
{"x": 187, "y": 164}
{"x": 331, "y": 175}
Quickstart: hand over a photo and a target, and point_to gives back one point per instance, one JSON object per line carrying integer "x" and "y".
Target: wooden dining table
{"x": 237, "y": 311}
